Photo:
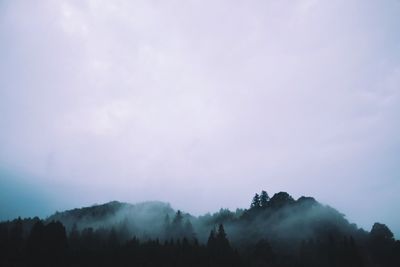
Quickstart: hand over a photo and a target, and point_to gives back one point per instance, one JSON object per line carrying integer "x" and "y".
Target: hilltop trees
{"x": 381, "y": 244}
{"x": 255, "y": 203}
{"x": 280, "y": 199}
{"x": 277, "y": 231}
{"x": 264, "y": 198}
{"x": 260, "y": 201}
{"x": 380, "y": 232}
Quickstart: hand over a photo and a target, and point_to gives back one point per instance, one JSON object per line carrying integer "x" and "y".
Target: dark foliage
{"x": 277, "y": 231}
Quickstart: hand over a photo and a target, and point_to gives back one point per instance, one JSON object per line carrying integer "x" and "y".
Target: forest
{"x": 274, "y": 231}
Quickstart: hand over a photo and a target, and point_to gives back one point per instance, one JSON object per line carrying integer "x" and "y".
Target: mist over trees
{"x": 273, "y": 231}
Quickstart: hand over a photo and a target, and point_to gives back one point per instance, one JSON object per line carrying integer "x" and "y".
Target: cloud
{"x": 151, "y": 100}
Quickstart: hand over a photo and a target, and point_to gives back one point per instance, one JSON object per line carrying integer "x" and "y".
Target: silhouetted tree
{"x": 222, "y": 252}
{"x": 332, "y": 241}
{"x": 381, "y": 232}
{"x": 255, "y": 203}
{"x": 264, "y": 198}
{"x": 177, "y": 226}
{"x": 280, "y": 199}
{"x": 211, "y": 240}
{"x": 177, "y": 221}
{"x": 382, "y": 243}
{"x": 221, "y": 237}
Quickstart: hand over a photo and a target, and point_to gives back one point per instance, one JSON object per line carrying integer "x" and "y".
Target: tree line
{"x": 234, "y": 239}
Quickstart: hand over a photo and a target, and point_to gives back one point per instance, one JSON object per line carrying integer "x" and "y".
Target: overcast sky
{"x": 200, "y": 104}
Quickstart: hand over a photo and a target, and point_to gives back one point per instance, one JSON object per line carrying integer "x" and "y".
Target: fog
{"x": 200, "y": 104}
{"x": 282, "y": 221}
{"x": 143, "y": 220}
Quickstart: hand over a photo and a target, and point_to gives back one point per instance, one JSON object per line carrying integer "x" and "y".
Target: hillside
{"x": 279, "y": 218}
{"x": 279, "y": 231}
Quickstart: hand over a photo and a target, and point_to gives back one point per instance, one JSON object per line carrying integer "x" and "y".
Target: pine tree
{"x": 177, "y": 225}
{"x": 221, "y": 238}
{"x": 264, "y": 198}
{"x": 221, "y": 232}
{"x": 178, "y": 219}
{"x": 211, "y": 240}
{"x": 256, "y": 202}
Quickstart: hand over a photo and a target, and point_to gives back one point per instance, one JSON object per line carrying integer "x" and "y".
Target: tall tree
{"x": 221, "y": 238}
{"x": 381, "y": 245}
{"x": 211, "y": 240}
{"x": 380, "y": 231}
{"x": 177, "y": 225}
{"x": 177, "y": 221}
{"x": 264, "y": 198}
{"x": 256, "y": 202}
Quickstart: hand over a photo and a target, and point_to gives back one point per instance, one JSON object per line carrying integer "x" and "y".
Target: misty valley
{"x": 273, "y": 231}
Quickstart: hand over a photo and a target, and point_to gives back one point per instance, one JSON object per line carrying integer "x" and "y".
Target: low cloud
{"x": 179, "y": 102}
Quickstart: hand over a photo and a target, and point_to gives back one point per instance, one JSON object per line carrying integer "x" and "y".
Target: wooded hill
{"x": 276, "y": 231}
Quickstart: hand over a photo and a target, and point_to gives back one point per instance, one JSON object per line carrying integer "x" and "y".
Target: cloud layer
{"x": 204, "y": 103}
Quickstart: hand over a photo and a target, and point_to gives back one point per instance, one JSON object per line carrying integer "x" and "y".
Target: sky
{"x": 200, "y": 104}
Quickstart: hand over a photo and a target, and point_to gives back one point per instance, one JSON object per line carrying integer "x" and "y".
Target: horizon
{"x": 200, "y": 104}
{"x": 197, "y": 215}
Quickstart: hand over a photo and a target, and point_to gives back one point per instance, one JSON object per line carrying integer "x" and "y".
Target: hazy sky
{"x": 200, "y": 103}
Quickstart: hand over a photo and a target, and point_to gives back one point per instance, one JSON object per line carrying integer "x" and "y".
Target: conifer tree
{"x": 211, "y": 240}
{"x": 221, "y": 238}
{"x": 264, "y": 198}
{"x": 256, "y": 202}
